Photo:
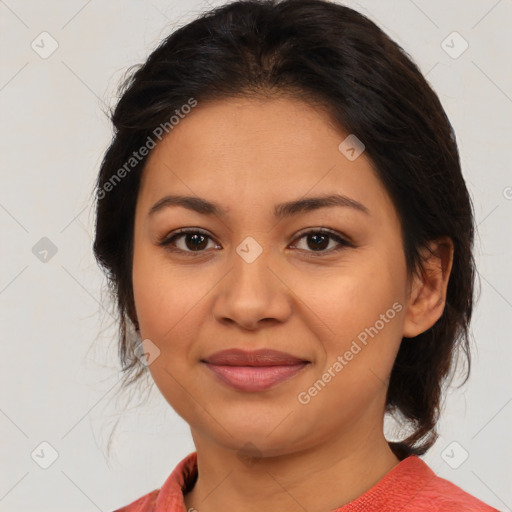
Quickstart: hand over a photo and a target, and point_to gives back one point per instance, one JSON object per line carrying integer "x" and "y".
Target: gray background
{"x": 58, "y": 370}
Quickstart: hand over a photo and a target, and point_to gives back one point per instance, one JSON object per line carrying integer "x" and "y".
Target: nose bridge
{"x": 252, "y": 291}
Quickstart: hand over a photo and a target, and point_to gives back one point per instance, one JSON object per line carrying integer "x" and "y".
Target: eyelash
{"x": 168, "y": 241}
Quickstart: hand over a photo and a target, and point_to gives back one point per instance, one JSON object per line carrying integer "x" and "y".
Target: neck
{"x": 322, "y": 478}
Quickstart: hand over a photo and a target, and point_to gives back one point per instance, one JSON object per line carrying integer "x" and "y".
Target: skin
{"x": 248, "y": 155}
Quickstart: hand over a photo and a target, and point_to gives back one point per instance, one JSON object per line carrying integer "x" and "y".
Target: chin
{"x": 268, "y": 438}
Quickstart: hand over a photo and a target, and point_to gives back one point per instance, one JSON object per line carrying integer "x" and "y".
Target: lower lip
{"x": 254, "y": 378}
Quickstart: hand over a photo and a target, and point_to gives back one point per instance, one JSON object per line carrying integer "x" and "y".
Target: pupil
{"x": 196, "y": 238}
{"x": 319, "y": 238}
{"x": 320, "y": 241}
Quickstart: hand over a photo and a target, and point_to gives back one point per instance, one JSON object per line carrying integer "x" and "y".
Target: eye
{"x": 193, "y": 240}
{"x": 318, "y": 240}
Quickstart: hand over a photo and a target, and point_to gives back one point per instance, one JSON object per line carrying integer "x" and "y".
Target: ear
{"x": 427, "y": 293}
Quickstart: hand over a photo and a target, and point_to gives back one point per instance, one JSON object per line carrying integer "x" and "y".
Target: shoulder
{"x": 412, "y": 486}
{"x": 146, "y": 503}
{"x": 440, "y": 495}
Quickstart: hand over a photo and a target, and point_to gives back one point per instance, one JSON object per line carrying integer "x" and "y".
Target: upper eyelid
{"x": 343, "y": 239}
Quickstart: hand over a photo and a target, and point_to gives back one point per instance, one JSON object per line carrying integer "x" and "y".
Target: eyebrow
{"x": 281, "y": 210}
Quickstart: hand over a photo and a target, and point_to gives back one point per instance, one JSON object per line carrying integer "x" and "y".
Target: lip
{"x": 253, "y": 371}
{"x": 261, "y": 357}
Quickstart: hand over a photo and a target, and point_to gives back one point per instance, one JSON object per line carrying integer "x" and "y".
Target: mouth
{"x": 254, "y": 371}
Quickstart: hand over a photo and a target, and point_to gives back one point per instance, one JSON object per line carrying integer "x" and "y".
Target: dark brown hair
{"x": 329, "y": 55}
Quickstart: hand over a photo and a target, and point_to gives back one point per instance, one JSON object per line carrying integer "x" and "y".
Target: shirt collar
{"x": 180, "y": 481}
{"x": 410, "y": 475}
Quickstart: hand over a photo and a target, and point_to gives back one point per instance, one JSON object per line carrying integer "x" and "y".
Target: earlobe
{"x": 427, "y": 297}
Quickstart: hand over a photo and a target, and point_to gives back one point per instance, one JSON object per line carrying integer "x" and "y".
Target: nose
{"x": 252, "y": 294}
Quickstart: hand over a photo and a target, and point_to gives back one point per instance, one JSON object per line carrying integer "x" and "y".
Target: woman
{"x": 284, "y": 222}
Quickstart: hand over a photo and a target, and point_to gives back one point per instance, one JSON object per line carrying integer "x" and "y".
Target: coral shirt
{"x": 411, "y": 486}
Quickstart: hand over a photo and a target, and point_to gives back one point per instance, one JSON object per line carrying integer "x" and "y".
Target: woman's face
{"x": 260, "y": 275}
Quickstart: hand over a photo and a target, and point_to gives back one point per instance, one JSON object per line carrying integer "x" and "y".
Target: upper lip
{"x": 262, "y": 357}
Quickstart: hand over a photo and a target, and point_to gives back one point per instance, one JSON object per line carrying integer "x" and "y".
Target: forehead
{"x": 251, "y": 152}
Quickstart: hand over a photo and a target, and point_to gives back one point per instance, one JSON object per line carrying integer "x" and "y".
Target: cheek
{"x": 363, "y": 314}
{"x": 361, "y": 308}
{"x": 166, "y": 304}
{"x": 171, "y": 303}
{"x": 348, "y": 298}
{"x": 162, "y": 295}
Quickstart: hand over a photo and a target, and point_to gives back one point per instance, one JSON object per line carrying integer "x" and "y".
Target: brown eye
{"x": 195, "y": 241}
{"x": 318, "y": 241}
{"x": 190, "y": 240}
